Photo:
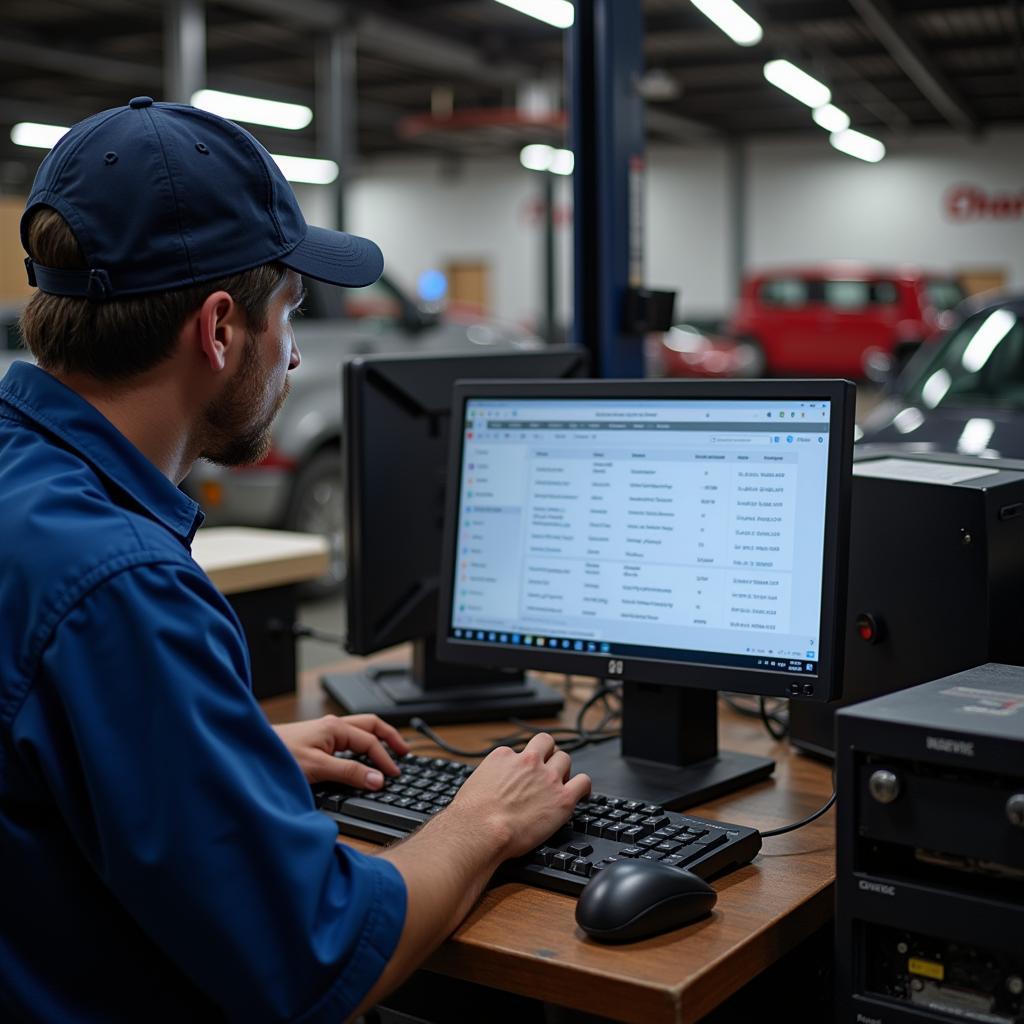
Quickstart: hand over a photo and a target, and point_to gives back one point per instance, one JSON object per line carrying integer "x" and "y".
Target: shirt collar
{"x": 82, "y": 428}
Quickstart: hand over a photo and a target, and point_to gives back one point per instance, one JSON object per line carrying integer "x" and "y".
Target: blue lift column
{"x": 604, "y": 62}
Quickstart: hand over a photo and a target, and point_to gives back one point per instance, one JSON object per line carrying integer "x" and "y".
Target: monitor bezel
{"x": 827, "y": 680}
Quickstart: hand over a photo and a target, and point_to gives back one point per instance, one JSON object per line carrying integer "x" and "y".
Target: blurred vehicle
{"x": 10, "y": 336}
{"x": 298, "y": 486}
{"x": 842, "y": 319}
{"x": 687, "y": 351}
{"x": 965, "y": 394}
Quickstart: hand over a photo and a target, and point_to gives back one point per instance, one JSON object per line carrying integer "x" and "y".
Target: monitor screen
{"x": 680, "y": 536}
{"x": 668, "y": 531}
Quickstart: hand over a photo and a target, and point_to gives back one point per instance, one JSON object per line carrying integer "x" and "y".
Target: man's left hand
{"x": 313, "y": 744}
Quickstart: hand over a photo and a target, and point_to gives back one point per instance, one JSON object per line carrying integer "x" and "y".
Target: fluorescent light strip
{"x": 306, "y": 170}
{"x": 252, "y": 110}
{"x": 559, "y": 13}
{"x": 38, "y": 136}
{"x": 857, "y": 144}
{"x": 800, "y": 85}
{"x": 739, "y": 26}
{"x": 540, "y": 157}
{"x": 831, "y": 118}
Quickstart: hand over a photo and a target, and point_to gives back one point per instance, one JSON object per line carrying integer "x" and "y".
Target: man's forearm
{"x": 445, "y": 865}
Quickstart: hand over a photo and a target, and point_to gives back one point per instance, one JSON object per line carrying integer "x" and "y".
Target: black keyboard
{"x": 602, "y": 829}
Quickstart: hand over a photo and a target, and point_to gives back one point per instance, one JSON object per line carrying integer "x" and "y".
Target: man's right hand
{"x": 520, "y": 799}
{"x": 510, "y": 804}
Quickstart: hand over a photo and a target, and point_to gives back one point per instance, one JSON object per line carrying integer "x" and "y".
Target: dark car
{"x": 965, "y": 394}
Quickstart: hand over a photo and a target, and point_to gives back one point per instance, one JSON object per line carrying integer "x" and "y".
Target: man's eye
{"x": 296, "y": 312}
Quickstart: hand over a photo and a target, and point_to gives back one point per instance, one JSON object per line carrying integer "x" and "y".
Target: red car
{"x": 843, "y": 319}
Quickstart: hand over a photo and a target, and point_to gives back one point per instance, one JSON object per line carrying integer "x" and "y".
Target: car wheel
{"x": 317, "y": 506}
{"x": 754, "y": 361}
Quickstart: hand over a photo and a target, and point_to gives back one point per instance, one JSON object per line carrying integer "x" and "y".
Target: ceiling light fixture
{"x": 538, "y": 156}
{"x": 252, "y": 110}
{"x": 800, "y": 85}
{"x": 38, "y": 136}
{"x": 306, "y": 170}
{"x": 831, "y": 118}
{"x": 559, "y": 13}
{"x": 739, "y": 26}
{"x": 857, "y": 144}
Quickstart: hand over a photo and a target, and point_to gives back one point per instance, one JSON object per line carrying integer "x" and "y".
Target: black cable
{"x": 800, "y": 824}
{"x": 778, "y": 731}
{"x": 301, "y": 632}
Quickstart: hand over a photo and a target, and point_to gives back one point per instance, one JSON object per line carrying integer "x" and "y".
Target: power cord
{"x": 800, "y": 824}
{"x": 302, "y": 632}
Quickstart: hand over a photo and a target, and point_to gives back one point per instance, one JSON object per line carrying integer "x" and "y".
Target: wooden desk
{"x": 239, "y": 558}
{"x": 525, "y": 940}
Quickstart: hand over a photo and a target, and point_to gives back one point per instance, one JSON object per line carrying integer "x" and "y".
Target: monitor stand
{"x": 438, "y": 691}
{"x": 668, "y": 753}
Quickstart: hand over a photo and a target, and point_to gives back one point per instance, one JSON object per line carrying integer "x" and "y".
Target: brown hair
{"x": 118, "y": 338}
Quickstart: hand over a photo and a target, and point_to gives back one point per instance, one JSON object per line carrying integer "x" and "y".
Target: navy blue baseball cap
{"x": 163, "y": 195}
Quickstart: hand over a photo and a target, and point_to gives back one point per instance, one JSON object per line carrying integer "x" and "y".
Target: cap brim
{"x": 336, "y": 257}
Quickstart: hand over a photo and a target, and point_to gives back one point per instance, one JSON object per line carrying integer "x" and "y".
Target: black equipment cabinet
{"x": 936, "y": 577}
{"x": 930, "y": 852}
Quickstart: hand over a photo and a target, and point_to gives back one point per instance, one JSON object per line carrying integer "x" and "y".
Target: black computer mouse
{"x": 633, "y": 899}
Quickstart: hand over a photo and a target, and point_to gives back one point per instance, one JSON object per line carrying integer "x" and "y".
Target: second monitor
{"x": 396, "y": 424}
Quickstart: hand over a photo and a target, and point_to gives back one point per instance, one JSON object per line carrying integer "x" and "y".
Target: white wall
{"x": 805, "y": 202}
{"x": 809, "y": 202}
{"x": 425, "y": 215}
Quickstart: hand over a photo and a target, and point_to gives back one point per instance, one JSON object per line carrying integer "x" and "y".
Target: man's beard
{"x": 230, "y": 437}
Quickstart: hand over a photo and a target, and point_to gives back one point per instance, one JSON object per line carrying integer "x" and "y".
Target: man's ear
{"x": 220, "y": 326}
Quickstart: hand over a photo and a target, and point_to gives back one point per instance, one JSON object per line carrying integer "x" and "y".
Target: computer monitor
{"x": 683, "y": 537}
{"x": 396, "y": 411}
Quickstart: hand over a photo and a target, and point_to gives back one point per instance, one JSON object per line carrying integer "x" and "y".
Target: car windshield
{"x": 981, "y": 360}
{"x": 943, "y": 294}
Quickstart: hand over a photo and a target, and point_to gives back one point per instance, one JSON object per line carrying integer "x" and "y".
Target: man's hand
{"x": 507, "y": 806}
{"x": 520, "y": 799}
{"x": 313, "y": 744}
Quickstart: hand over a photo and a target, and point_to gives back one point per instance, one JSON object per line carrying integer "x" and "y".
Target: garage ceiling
{"x": 896, "y": 66}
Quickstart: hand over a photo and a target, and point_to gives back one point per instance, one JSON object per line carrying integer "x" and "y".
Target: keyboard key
{"x": 656, "y": 820}
{"x": 614, "y": 801}
{"x": 543, "y": 855}
{"x": 596, "y": 828}
{"x": 631, "y": 851}
{"x": 649, "y": 843}
{"x": 597, "y": 798}
{"x": 652, "y": 809}
{"x": 633, "y": 819}
{"x": 668, "y": 846}
{"x": 581, "y": 821}
{"x": 696, "y": 830}
{"x": 393, "y": 815}
{"x": 613, "y": 831}
{"x": 581, "y": 867}
{"x": 579, "y": 849}
{"x": 561, "y": 861}
{"x": 633, "y": 805}
{"x": 629, "y": 835}
{"x": 652, "y": 855}
{"x": 617, "y": 815}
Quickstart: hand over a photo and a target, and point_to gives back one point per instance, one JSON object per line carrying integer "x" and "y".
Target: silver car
{"x": 299, "y": 486}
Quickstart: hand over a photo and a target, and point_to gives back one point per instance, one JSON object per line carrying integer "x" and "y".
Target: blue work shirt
{"x": 160, "y": 855}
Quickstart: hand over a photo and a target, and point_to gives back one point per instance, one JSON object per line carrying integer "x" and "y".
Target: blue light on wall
{"x": 432, "y": 286}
